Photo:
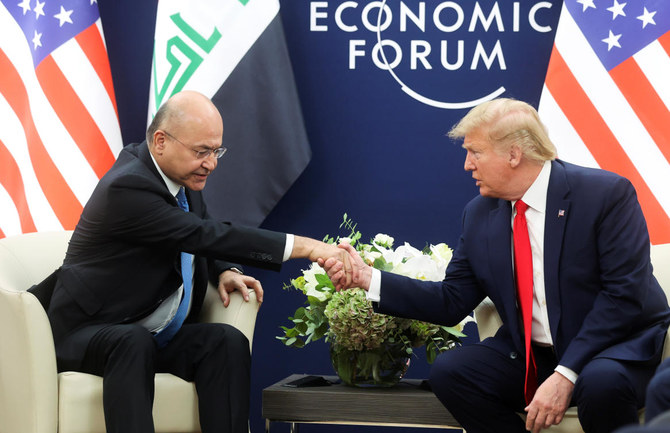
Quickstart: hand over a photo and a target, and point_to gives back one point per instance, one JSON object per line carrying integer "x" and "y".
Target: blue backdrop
{"x": 379, "y": 153}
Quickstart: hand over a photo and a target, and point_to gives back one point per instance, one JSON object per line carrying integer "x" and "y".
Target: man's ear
{"x": 515, "y": 156}
{"x": 159, "y": 141}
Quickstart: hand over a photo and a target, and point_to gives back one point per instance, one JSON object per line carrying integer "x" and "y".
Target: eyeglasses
{"x": 200, "y": 154}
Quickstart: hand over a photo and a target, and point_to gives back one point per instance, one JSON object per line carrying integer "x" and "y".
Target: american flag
{"x": 60, "y": 130}
{"x": 606, "y": 99}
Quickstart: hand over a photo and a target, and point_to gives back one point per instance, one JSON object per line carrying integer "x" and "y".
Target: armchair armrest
{"x": 28, "y": 379}
{"x": 239, "y": 313}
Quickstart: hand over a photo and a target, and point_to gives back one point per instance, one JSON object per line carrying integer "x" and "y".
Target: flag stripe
{"x": 64, "y": 203}
{"x": 654, "y": 63}
{"x": 665, "y": 42}
{"x": 13, "y": 135}
{"x": 93, "y": 47}
{"x": 604, "y": 146}
{"x": 572, "y": 147}
{"x": 84, "y": 79}
{"x": 74, "y": 116}
{"x": 12, "y": 181}
{"x": 645, "y": 102}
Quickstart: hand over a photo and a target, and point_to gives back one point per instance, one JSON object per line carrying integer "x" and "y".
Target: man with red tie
{"x": 563, "y": 253}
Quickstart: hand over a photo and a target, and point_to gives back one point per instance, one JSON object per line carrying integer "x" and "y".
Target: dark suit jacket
{"x": 123, "y": 258}
{"x": 602, "y": 298}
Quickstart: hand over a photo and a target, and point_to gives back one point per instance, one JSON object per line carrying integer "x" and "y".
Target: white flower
{"x": 311, "y": 283}
{"x": 441, "y": 252}
{"x": 369, "y": 257}
{"x": 345, "y": 240}
{"x": 383, "y": 240}
{"x": 421, "y": 267}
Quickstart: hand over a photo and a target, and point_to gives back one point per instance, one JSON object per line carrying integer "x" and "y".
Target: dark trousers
{"x": 658, "y": 393}
{"x": 214, "y": 356}
{"x": 483, "y": 389}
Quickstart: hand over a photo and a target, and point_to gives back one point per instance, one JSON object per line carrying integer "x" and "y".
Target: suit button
{"x": 513, "y": 355}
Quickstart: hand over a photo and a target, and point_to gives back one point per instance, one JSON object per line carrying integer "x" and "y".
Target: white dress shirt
{"x": 536, "y": 198}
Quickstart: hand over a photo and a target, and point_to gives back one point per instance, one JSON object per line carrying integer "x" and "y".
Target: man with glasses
{"x": 131, "y": 287}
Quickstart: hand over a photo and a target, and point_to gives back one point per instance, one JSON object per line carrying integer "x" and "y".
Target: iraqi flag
{"x": 234, "y": 51}
{"x": 606, "y": 99}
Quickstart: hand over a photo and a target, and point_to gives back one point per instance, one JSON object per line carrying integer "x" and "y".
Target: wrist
{"x": 366, "y": 278}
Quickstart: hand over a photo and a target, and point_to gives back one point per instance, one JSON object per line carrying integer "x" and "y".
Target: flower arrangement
{"x": 346, "y": 319}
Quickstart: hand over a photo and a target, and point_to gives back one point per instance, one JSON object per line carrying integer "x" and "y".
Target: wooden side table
{"x": 407, "y": 404}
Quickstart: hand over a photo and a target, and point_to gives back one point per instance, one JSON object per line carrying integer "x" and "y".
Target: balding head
{"x": 181, "y": 109}
{"x": 186, "y": 124}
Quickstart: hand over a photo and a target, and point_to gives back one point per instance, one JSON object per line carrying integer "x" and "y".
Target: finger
{"x": 337, "y": 279}
{"x": 256, "y": 286}
{"x": 244, "y": 291}
{"x": 351, "y": 250}
{"x": 320, "y": 262}
{"x": 334, "y": 269}
{"x": 530, "y": 417}
{"x": 225, "y": 298}
{"x": 347, "y": 269}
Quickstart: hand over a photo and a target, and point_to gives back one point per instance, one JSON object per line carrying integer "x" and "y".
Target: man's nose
{"x": 210, "y": 162}
{"x": 468, "y": 165}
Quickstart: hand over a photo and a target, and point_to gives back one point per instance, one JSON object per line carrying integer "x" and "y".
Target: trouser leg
{"x": 658, "y": 392}
{"x": 609, "y": 393}
{"x": 124, "y": 356}
{"x": 481, "y": 387}
{"x": 216, "y": 357}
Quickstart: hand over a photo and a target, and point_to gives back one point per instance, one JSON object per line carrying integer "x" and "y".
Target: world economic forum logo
{"x": 442, "y": 37}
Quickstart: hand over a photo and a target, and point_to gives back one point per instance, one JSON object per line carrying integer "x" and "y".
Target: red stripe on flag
{"x": 92, "y": 45}
{"x": 646, "y": 103}
{"x": 74, "y": 116}
{"x": 12, "y": 181}
{"x": 665, "y": 42}
{"x": 604, "y": 147}
{"x": 64, "y": 203}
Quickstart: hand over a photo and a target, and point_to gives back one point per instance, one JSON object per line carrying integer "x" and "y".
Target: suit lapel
{"x": 557, "y": 214}
{"x": 500, "y": 258}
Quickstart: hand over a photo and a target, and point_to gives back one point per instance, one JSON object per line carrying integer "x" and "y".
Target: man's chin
{"x": 197, "y": 185}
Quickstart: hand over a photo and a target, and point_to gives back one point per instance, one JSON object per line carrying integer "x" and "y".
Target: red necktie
{"x": 523, "y": 265}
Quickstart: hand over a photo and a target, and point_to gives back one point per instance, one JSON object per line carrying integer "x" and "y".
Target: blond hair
{"x": 506, "y": 122}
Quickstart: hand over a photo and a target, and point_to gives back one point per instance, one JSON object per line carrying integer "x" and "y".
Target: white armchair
{"x": 34, "y": 398}
{"x": 488, "y": 322}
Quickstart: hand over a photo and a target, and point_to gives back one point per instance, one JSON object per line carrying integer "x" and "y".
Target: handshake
{"x": 343, "y": 264}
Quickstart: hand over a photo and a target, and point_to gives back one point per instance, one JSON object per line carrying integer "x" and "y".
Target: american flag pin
{"x": 561, "y": 212}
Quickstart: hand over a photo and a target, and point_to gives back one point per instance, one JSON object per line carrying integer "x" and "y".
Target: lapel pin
{"x": 561, "y": 212}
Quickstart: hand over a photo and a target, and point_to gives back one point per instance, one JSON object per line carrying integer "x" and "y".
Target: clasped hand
{"x": 347, "y": 269}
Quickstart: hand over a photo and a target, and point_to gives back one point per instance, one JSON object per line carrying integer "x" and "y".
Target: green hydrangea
{"x": 354, "y": 324}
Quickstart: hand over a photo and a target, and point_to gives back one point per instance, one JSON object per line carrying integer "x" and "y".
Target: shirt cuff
{"x": 288, "y": 247}
{"x": 567, "y": 373}
{"x": 374, "y": 291}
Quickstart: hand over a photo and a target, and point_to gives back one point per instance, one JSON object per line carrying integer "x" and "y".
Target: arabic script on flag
{"x": 606, "y": 99}
{"x": 60, "y": 131}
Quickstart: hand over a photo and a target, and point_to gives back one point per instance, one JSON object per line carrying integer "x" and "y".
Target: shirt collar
{"x": 536, "y": 196}
{"x": 172, "y": 186}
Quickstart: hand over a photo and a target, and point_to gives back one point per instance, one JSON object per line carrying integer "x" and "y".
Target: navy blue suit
{"x": 603, "y": 301}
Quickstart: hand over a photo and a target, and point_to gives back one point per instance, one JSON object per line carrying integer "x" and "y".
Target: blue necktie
{"x": 166, "y": 334}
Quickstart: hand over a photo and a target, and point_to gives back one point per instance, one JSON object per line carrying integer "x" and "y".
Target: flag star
{"x": 647, "y": 18}
{"x": 612, "y": 41}
{"x": 37, "y": 40}
{"x": 64, "y": 16}
{"x": 94, "y": 1}
{"x": 25, "y": 5}
{"x": 617, "y": 9}
{"x": 586, "y": 4}
{"x": 39, "y": 9}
